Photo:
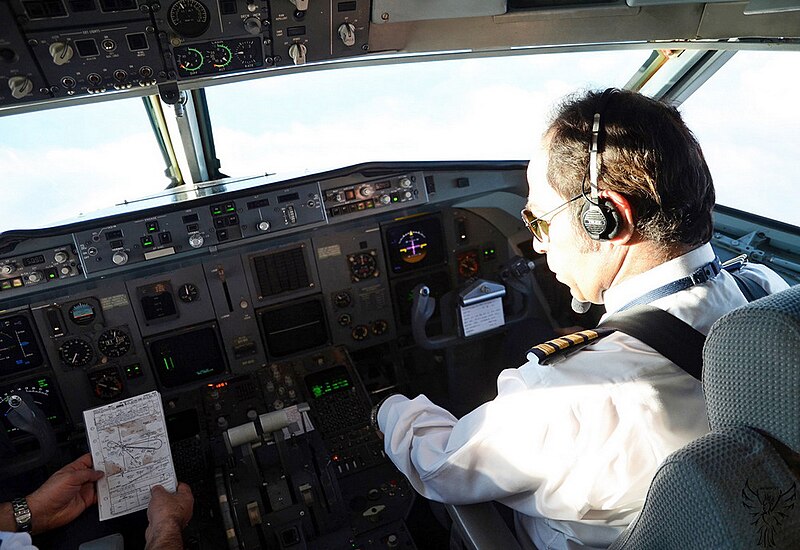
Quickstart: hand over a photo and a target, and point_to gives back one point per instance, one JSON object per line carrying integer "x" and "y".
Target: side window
{"x": 747, "y": 120}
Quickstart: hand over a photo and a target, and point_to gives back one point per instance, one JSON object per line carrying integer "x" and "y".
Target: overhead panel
{"x": 51, "y": 49}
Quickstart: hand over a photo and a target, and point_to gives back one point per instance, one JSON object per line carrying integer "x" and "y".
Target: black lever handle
{"x": 28, "y": 417}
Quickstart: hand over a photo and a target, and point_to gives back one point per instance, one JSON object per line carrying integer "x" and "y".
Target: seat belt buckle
{"x": 706, "y": 273}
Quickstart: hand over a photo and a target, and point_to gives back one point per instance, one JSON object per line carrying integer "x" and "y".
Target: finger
{"x": 157, "y": 489}
{"x": 84, "y": 461}
{"x": 184, "y": 489}
{"x": 79, "y": 477}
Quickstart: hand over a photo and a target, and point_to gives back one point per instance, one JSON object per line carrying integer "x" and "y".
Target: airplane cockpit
{"x": 275, "y": 213}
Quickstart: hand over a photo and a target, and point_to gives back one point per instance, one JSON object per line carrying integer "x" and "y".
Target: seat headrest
{"x": 751, "y": 368}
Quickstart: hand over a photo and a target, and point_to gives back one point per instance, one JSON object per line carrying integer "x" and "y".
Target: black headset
{"x": 599, "y": 217}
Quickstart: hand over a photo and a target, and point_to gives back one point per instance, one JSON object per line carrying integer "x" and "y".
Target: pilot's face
{"x": 571, "y": 254}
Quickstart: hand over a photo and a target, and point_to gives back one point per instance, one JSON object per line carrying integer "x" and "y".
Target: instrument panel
{"x": 305, "y": 310}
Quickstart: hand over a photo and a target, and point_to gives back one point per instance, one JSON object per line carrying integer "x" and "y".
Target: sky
{"x": 70, "y": 161}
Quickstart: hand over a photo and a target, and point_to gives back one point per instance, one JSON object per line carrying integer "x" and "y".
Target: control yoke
{"x": 28, "y": 417}
{"x": 482, "y": 294}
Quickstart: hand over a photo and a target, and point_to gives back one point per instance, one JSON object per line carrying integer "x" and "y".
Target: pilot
{"x": 71, "y": 490}
{"x": 572, "y": 445}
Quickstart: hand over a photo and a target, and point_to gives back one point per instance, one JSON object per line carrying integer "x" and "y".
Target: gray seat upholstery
{"x": 736, "y": 487}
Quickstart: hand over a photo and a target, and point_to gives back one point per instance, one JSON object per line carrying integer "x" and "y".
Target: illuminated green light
{"x": 169, "y": 364}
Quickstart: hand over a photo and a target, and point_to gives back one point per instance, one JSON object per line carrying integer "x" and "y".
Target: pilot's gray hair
{"x": 649, "y": 155}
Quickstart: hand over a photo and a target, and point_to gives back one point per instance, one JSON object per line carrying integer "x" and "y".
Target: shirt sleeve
{"x": 554, "y": 442}
{"x": 449, "y": 460}
{"x": 16, "y": 541}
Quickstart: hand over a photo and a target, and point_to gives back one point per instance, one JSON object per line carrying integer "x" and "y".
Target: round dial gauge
{"x": 76, "y": 353}
{"x": 363, "y": 266}
{"x": 188, "y": 293}
{"x": 468, "y": 265}
{"x": 189, "y": 18}
{"x": 221, "y": 56}
{"x": 82, "y": 313}
{"x": 114, "y": 343}
{"x": 106, "y": 384}
{"x": 413, "y": 247}
{"x": 189, "y": 60}
{"x": 246, "y": 53}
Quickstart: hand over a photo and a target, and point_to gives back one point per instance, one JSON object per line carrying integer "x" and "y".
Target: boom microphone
{"x": 580, "y": 307}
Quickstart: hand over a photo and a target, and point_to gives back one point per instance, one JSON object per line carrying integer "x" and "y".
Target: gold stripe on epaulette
{"x": 574, "y": 340}
{"x": 546, "y": 347}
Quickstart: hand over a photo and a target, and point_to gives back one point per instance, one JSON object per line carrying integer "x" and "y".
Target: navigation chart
{"x": 128, "y": 441}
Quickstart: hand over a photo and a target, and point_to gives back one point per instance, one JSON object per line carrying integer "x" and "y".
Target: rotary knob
{"x": 196, "y": 240}
{"x": 60, "y": 257}
{"x": 385, "y": 199}
{"x": 347, "y": 34}
{"x": 35, "y": 277}
{"x": 20, "y": 86}
{"x": 61, "y": 52}
{"x": 7, "y": 269}
{"x": 298, "y": 53}
{"x": 252, "y": 25}
{"x": 263, "y": 226}
{"x": 366, "y": 191}
{"x": 120, "y": 257}
{"x": 405, "y": 183}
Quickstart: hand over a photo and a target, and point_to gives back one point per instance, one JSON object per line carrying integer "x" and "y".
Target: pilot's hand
{"x": 168, "y": 514}
{"x": 64, "y": 496}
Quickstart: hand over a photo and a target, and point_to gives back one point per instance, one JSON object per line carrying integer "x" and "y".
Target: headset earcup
{"x": 600, "y": 221}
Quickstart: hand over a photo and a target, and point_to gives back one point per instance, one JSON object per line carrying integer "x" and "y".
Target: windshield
{"x": 462, "y": 109}
{"x": 746, "y": 120}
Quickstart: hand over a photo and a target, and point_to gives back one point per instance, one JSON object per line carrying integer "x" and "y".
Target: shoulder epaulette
{"x": 547, "y": 352}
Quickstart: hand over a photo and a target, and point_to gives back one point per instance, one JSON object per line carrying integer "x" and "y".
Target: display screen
{"x": 18, "y": 348}
{"x": 415, "y": 244}
{"x": 291, "y": 328}
{"x": 43, "y": 393}
{"x": 33, "y": 260}
{"x": 187, "y": 356}
{"x": 328, "y": 381}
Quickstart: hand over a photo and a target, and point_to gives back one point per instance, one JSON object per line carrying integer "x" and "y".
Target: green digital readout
{"x": 329, "y": 386}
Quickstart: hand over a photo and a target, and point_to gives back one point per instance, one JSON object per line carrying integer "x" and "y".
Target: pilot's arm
{"x": 557, "y": 441}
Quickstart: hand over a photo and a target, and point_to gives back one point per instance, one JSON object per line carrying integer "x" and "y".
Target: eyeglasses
{"x": 539, "y": 227}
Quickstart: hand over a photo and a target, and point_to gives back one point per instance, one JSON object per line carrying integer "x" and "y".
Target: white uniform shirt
{"x": 571, "y": 446}
{"x": 16, "y": 541}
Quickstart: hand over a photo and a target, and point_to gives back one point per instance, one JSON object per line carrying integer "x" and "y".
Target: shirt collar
{"x": 676, "y": 268}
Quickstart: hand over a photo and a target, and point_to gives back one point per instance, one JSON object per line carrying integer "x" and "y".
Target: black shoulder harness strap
{"x": 674, "y": 339}
{"x": 671, "y": 337}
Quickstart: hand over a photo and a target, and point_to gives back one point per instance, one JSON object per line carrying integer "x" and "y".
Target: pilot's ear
{"x": 622, "y": 205}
